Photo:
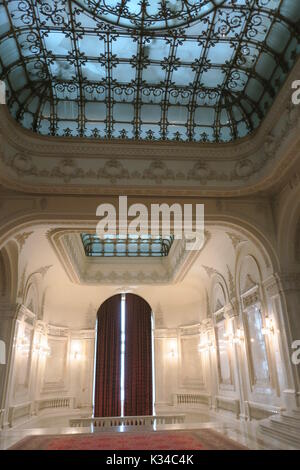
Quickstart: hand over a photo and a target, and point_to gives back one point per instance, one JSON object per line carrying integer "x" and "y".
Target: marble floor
{"x": 245, "y": 433}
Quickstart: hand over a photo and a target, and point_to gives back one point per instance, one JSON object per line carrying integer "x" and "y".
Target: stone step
{"x": 289, "y": 436}
{"x": 283, "y": 423}
{"x": 291, "y": 417}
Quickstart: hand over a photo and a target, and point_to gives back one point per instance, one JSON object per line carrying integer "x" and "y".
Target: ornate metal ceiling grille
{"x": 104, "y": 69}
{"x": 144, "y": 246}
{"x": 146, "y": 14}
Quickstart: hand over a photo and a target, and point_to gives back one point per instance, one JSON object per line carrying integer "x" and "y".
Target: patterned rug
{"x": 204, "y": 439}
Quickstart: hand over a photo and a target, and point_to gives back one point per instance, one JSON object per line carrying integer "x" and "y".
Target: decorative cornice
{"x": 190, "y": 330}
{"x": 161, "y": 333}
{"x": 251, "y": 297}
{"x": 83, "y": 334}
{"x": 57, "y": 330}
{"x": 29, "y": 162}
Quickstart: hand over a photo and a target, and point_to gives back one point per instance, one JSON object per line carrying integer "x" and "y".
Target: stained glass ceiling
{"x": 132, "y": 246}
{"x": 202, "y": 71}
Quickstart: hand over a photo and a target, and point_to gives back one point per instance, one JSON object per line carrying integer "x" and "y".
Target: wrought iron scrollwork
{"x": 149, "y": 14}
{"x": 197, "y": 71}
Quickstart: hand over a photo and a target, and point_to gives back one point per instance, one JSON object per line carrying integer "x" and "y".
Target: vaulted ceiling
{"x": 204, "y": 71}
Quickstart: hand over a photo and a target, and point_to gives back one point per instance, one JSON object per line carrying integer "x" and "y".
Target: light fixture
{"x": 76, "y": 350}
{"x": 173, "y": 352}
{"x": 234, "y": 338}
{"x": 240, "y": 334}
{"x": 269, "y": 326}
{"x": 41, "y": 347}
{"x": 205, "y": 345}
{"x": 23, "y": 344}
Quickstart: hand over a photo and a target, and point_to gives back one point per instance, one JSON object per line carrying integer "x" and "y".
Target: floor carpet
{"x": 204, "y": 439}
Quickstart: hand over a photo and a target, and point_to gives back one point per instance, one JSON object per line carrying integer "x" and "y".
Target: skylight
{"x": 198, "y": 71}
{"x": 132, "y": 246}
{"x": 146, "y": 14}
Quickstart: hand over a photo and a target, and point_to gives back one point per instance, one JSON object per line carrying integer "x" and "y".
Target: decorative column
{"x": 209, "y": 341}
{"x": 233, "y": 315}
{"x": 82, "y": 361}
{"x": 166, "y": 366}
{"x": 284, "y": 291}
{"x": 8, "y": 314}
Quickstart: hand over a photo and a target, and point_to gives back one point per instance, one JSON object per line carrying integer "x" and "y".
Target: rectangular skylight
{"x": 132, "y": 246}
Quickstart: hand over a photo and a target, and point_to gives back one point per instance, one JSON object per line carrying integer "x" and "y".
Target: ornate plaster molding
{"x": 231, "y": 283}
{"x": 190, "y": 330}
{"x": 21, "y": 238}
{"x": 83, "y": 270}
{"x": 162, "y": 333}
{"x": 235, "y": 239}
{"x": 22, "y": 284}
{"x": 83, "y": 334}
{"x": 58, "y": 330}
{"x": 159, "y": 317}
{"x": 40, "y": 164}
{"x": 210, "y": 271}
{"x": 250, "y": 297}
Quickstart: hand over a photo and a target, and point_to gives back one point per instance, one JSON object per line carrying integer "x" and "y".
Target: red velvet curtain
{"x": 138, "y": 357}
{"x": 108, "y": 359}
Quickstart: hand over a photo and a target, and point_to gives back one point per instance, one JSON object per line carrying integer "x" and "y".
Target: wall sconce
{"x": 240, "y": 335}
{"x": 206, "y": 345}
{"x": 269, "y": 326}
{"x": 23, "y": 344}
{"x": 234, "y": 339}
{"x": 76, "y": 351}
{"x": 42, "y": 348}
{"x": 173, "y": 352}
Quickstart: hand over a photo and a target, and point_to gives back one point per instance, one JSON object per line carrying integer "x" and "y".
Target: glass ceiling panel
{"x": 132, "y": 246}
{"x": 202, "y": 71}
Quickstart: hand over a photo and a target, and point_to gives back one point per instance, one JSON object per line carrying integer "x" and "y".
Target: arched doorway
{"x": 123, "y": 367}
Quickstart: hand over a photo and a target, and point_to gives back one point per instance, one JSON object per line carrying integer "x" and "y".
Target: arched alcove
{"x": 218, "y": 295}
{"x": 249, "y": 274}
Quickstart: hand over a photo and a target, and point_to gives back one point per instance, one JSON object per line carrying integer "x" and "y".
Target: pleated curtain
{"x": 138, "y": 357}
{"x": 108, "y": 359}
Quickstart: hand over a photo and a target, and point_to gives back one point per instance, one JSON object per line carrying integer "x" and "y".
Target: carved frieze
{"x": 250, "y": 298}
